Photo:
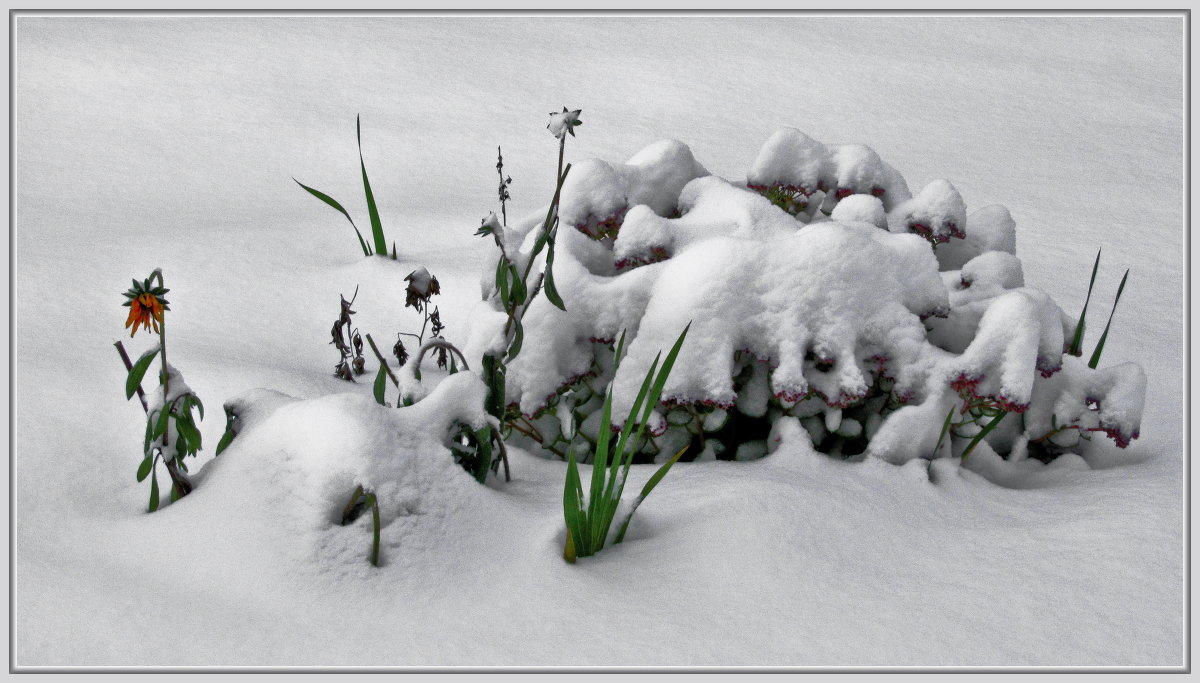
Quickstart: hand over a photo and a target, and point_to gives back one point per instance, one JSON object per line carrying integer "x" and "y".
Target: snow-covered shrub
{"x": 825, "y": 296}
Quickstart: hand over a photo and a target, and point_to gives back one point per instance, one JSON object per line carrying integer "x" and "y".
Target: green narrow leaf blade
{"x": 376, "y": 225}
{"x": 571, "y": 509}
{"x": 650, "y": 484}
{"x": 332, "y": 202}
{"x": 138, "y": 372}
{"x": 1076, "y": 348}
{"x": 945, "y": 429}
{"x": 1104, "y": 337}
{"x": 982, "y": 433}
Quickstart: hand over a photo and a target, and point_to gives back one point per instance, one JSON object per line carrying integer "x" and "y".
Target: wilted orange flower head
{"x": 146, "y": 304}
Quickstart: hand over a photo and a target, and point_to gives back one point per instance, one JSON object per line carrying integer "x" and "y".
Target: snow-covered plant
{"x": 171, "y": 431}
{"x": 589, "y": 517}
{"x": 348, "y": 342}
{"x": 829, "y": 301}
{"x": 421, "y": 288}
{"x": 513, "y": 289}
{"x": 380, "y": 243}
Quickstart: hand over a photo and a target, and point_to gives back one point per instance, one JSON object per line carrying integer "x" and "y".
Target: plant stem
{"x": 382, "y": 362}
{"x": 183, "y": 484}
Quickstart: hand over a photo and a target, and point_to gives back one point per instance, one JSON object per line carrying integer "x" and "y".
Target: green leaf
{"x": 187, "y": 429}
{"x": 650, "y": 484}
{"x": 982, "y": 433}
{"x": 601, "y": 474}
{"x": 380, "y": 386}
{"x": 502, "y": 282}
{"x": 332, "y": 202}
{"x": 375, "y": 534}
{"x": 453, "y": 365}
{"x": 174, "y": 492}
{"x": 376, "y": 226}
{"x": 518, "y": 338}
{"x": 226, "y": 439}
{"x": 1104, "y": 337}
{"x": 199, "y": 406}
{"x": 160, "y": 424}
{"x": 149, "y": 435}
{"x": 154, "y": 490}
{"x": 1076, "y": 348}
{"x": 519, "y": 291}
{"x": 550, "y": 289}
{"x": 945, "y": 430}
{"x": 144, "y": 469}
{"x": 572, "y": 510}
{"x": 134, "y": 379}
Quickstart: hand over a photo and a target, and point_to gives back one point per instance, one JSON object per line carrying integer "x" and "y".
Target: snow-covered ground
{"x": 172, "y": 142}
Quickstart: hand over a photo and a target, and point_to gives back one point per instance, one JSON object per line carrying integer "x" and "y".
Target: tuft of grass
{"x": 380, "y": 243}
{"x": 588, "y": 523}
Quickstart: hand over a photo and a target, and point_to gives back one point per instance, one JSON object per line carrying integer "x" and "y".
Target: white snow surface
{"x": 183, "y": 158}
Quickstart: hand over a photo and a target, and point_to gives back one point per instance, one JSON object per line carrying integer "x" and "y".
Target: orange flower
{"x": 144, "y": 310}
{"x": 146, "y": 305}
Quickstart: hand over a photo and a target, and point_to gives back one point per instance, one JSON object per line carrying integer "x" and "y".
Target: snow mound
{"x": 597, "y": 194}
{"x": 937, "y": 213}
{"x": 306, "y": 457}
{"x": 793, "y": 161}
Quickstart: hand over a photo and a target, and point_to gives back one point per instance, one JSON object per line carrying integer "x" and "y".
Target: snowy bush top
{"x": 818, "y": 286}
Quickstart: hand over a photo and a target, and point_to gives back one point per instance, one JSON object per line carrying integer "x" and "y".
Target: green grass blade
{"x": 1076, "y": 348}
{"x": 600, "y": 473}
{"x": 376, "y": 225}
{"x": 660, "y": 380}
{"x": 1104, "y": 337}
{"x": 945, "y": 430}
{"x": 571, "y": 509}
{"x": 332, "y": 202}
{"x": 650, "y": 484}
{"x": 662, "y": 472}
{"x": 982, "y": 433}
